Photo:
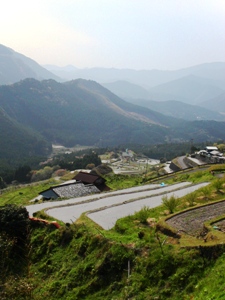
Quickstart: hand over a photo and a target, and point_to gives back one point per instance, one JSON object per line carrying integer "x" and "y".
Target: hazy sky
{"x": 135, "y": 34}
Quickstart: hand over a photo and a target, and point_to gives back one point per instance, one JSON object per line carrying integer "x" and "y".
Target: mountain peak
{"x": 15, "y": 67}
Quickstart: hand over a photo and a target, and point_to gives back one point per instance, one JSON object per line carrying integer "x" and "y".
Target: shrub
{"x": 170, "y": 203}
{"x": 191, "y": 198}
{"x": 206, "y": 192}
{"x": 143, "y": 214}
{"x": 218, "y": 185}
{"x": 14, "y": 221}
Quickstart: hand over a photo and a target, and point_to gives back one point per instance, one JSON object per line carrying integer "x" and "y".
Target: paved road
{"x": 37, "y": 207}
{"x": 69, "y": 214}
{"x": 113, "y": 205}
{"x": 108, "y": 217}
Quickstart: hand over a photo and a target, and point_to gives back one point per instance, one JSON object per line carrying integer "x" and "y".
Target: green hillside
{"x": 18, "y": 142}
{"x": 140, "y": 258}
{"x": 80, "y": 112}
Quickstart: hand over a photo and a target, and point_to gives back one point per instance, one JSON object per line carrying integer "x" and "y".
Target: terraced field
{"x": 192, "y": 221}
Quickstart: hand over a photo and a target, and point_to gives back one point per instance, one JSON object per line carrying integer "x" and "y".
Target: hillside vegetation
{"x": 134, "y": 260}
{"x": 83, "y": 112}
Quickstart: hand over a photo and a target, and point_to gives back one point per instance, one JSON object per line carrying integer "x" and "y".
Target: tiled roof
{"x": 75, "y": 190}
{"x": 86, "y": 177}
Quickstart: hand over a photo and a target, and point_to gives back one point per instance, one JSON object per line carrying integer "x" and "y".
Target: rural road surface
{"x": 107, "y": 218}
{"x": 113, "y": 205}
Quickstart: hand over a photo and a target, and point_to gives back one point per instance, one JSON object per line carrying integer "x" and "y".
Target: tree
{"x": 14, "y": 222}
{"x": 22, "y": 174}
{"x": 2, "y": 183}
{"x": 14, "y": 241}
{"x": 90, "y": 166}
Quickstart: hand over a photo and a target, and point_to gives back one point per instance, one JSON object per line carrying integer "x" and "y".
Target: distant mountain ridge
{"x": 15, "y": 67}
{"x": 195, "y": 85}
{"x": 34, "y": 114}
{"x": 189, "y": 89}
{"x": 83, "y": 112}
{"x": 180, "y": 110}
{"x": 214, "y": 71}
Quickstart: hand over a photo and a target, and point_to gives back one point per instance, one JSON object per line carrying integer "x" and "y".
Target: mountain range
{"x": 15, "y": 67}
{"x": 201, "y": 85}
{"x": 196, "y": 85}
{"x": 34, "y": 113}
{"x": 144, "y": 78}
{"x": 83, "y": 112}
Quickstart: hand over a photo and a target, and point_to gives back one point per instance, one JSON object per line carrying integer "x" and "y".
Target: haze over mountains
{"x": 202, "y": 85}
{"x": 15, "y": 67}
{"x": 195, "y": 85}
{"x": 34, "y": 114}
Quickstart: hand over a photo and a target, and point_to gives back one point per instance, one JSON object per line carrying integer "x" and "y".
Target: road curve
{"x": 69, "y": 214}
{"x": 107, "y": 218}
{"x": 106, "y": 208}
{"x": 48, "y": 204}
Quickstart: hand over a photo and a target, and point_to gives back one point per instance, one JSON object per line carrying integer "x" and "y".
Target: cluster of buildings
{"x": 211, "y": 154}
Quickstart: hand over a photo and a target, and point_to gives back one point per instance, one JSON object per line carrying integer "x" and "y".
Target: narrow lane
{"x": 48, "y": 204}
{"x": 107, "y": 218}
{"x": 69, "y": 214}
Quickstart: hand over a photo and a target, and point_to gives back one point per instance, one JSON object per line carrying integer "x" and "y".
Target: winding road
{"x": 105, "y": 209}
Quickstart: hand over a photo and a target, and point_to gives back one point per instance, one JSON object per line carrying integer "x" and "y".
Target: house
{"x": 203, "y": 153}
{"x": 89, "y": 178}
{"x": 216, "y": 153}
{"x": 211, "y": 148}
{"x": 69, "y": 190}
{"x": 128, "y": 155}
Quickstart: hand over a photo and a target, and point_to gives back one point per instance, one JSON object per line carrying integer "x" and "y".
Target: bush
{"x": 14, "y": 222}
{"x": 170, "y": 203}
{"x": 191, "y": 198}
{"x": 143, "y": 214}
{"x": 218, "y": 185}
{"x": 206, "y": 192}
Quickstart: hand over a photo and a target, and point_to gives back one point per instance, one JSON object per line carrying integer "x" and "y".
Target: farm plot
{"x": 192, "y": 221}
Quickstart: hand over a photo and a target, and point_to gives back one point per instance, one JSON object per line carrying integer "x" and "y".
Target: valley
{"x": 148, "y": 149}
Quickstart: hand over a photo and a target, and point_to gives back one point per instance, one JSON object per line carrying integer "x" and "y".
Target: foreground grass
{"x": 132, "y": 261}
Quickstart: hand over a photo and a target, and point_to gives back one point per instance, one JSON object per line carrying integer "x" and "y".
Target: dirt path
{"x": 191, "y": 222}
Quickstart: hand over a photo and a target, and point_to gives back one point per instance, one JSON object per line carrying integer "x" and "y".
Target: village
{"x": 88, "y": 182}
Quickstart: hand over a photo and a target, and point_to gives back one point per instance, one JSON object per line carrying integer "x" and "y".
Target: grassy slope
{"x": 22, "y": 195}
{"x": 82, "y": 261}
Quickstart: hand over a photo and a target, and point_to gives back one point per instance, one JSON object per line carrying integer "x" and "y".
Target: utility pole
{"x": 128, "y": 269}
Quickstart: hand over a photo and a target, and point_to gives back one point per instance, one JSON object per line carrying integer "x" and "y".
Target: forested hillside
{"x": 35, "y": 114}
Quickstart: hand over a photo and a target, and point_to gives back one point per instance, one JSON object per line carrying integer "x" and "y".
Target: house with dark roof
{"x": 70, "y": 190}
{"x": 88, "y": 178}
